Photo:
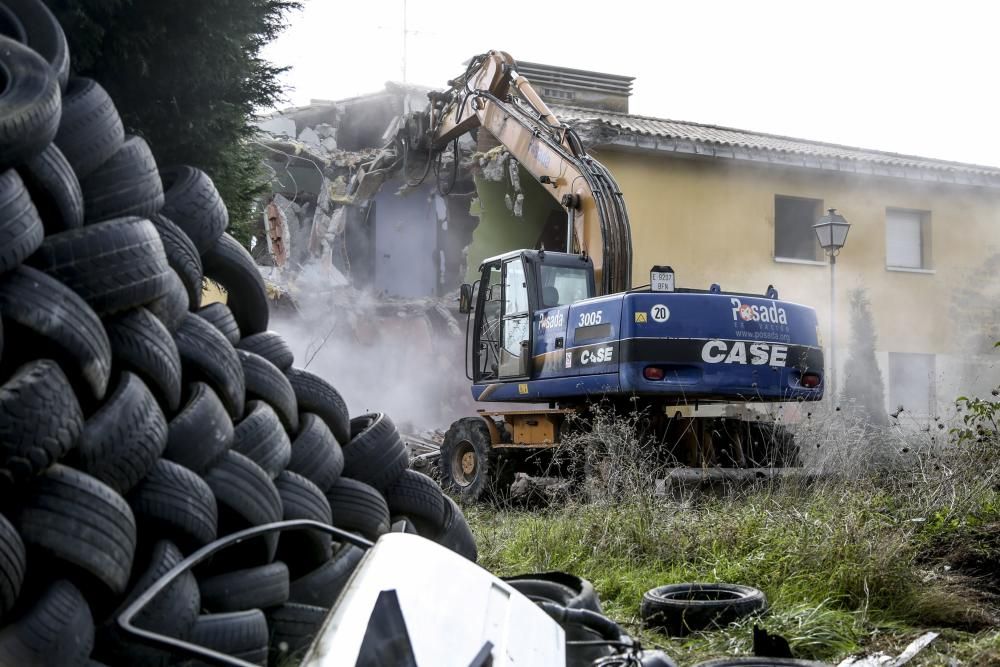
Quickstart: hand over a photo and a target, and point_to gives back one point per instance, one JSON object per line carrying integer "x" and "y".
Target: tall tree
{"x": 862, "y": 378}
{"x": 187, "y": 75}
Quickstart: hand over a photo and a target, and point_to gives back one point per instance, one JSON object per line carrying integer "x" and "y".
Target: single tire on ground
{"x": 322, "y": 586}
{"x": 469, "y": 465}
{"x": 40, "y": 421}
{"x": 455, "y": 533}
{"x": 58, "y": 629}
{"x": 193, "y": 203}
{"x": 271, "y": 346}
{"x": 55, "y": 321}
{"x": 141, "y": 343}
{"x": 172, "y": 307}
{"x": 54, "y": 190}
{"x": 316, "y": 395}
{"x": 114, "y": 265}
{"x": 207, "y": 356}
{"x": 200, "y": 434}
{"x": 358, "y": 507}
{"x": 293, "y": 627}
{"x": 241, "y": 634}
{"x": 678, "y": 609}
{"x": 264, "y": 381}
{"x": 43, "y": 34}
{"x": 303, "y": 550}
{"x": 251, "y": 588}
{"x": 375, "y": 454}
{"x": 30, "y": 103}
{"x": 229, "y": 264}
{"x": 182, "y": 256}
{"x": 219, "y": 315}
{"x": 260, "y": 437}
{"x": 70, "y": 516}
{"x": 21, "y": 230}
{"x": 174, "y": 503}
{"x": 90, "y": 130}
{"x": 417, "y": 496}
{"x": 316, "y": 454}
{"x": 126, "y": 184}
{"x": 12, "y": 564}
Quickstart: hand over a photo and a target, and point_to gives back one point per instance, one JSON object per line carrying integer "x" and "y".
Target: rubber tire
{"x": 670, "y": 609}
{"x": 220, "y": 317}
{"x": 581, "y": 592}
{"x": 174, "y": 503}
{"x": 316, "y": 395}
{"x": 245, "y": 497}
{"x": 58, "y": 629}
{"x": 206, "y": 355}
{"x": 30, "y": 104}
{"x": 229, "y": 264}
{"x": 182, "y": 256}
{"x": 358, "y": 507}
{"x": 54, "y": 189}
{"x": 303, "y": 550}
{"x": 172, "y": 307}
{"x": 45, "y": 308}
{"x": 260, "y": 437}
{"x": 199, "y": 436}
{"x": 194, "y": 204}
{"x": 126, "y": 184}
{"x": 375, "y": 455}
{"x": 43, "y": 34}
{"x": 271, "y": 346}
{"x": 455, "y": 533}
{"x": 114, "y": 265}
{"x": 293, "y": 628}
{"x": 90, "y": 129}
{"x": 264, "y": 381}
{"x": 473, "y": 432}
{"x": 322, "y": 586}
{"x": 241, "y": 634}
{"x": 40, "y": 421}
{"x": 12, "y": 566}
{"x": 316, "y": 454}
{"x": 122, "y": 441}
{"x": 141, "y": 343}
{"x": 69, "y": 515}
{"x": 173, "y": 612}
{"x": 251, "y": 588}
{"x": 21, "y": 230}
{"x": 417, "y": 496}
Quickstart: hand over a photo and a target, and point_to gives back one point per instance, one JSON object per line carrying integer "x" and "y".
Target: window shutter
{"x": 903, "y": 247}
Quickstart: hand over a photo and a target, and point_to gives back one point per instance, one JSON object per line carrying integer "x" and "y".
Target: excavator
{"x": 550, "y": 334}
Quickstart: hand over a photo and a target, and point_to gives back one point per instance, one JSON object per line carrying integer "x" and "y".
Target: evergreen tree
{"x": 188, "y": 77}
{"x": 862, "y": 378}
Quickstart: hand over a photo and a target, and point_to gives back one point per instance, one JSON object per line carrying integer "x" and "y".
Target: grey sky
{"x": 912, "y": 77}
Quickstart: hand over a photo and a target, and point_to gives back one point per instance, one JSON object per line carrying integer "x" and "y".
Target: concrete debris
{"x": 885, "y": 660}
{"x": 493, "y": 164}
{"x": 519, "y": 205}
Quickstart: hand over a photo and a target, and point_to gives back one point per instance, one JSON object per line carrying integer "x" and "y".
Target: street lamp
{"x": 831, "y": 230}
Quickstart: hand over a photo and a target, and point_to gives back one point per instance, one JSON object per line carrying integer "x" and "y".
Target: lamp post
{"x": 831, "y": 230}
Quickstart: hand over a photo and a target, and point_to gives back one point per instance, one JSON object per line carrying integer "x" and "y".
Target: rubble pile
{"x": 137, "y": 426}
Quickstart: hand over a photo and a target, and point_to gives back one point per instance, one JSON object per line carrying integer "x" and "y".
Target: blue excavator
{"x": 550, "y": 334}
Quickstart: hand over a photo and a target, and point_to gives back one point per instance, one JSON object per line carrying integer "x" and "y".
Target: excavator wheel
{"x": 469, "y": 464}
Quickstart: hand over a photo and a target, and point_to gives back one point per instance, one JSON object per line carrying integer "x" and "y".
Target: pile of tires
{"x": 137, "y": 425}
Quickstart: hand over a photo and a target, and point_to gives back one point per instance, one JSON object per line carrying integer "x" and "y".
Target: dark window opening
{"x": 794, "y": 218}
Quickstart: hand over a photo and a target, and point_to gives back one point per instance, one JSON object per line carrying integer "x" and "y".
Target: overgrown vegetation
{"x": 188, "y": 77}
{"x": 862, "y": 561}
{"x": 862, "y": 377}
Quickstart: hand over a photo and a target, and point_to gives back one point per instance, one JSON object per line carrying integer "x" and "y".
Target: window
{"x": 794, "y": 237}
{"x": 911, "y": 383}
{"x": 906, "y": 239}
{"x": 516, "y": 324}
{"x": 562, "y": 285}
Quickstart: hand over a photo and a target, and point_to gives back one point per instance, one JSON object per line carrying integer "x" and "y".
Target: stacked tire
{"x": 136, "y": 424}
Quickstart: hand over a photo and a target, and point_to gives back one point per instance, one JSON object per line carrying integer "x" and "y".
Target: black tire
{"x": 21, "y": 230}
{"x": 561, "y": 588}
{"x": 678, "y": 609}
{"x": 303, "y": 550}
{"x": 375, "y": 455}
{"x": 755, "y": 661}
{"x": 251, "y": 588}
{"x": 219, "y": 315}
{"x": 174, "y": 503}
{"x": 55, "y": 321}
{"x": 200, "y": 434}
{"x": 260, "y": 437}
{"x": 40, "y": 420}
{"x": 70, "y": 516}
{"x": 264, "y": 381}
{"x": 322, "y": 586}
{"x": 29, "y": 103}
{"x": 246, "y": 497}
{"x": 417, "y": 496}
{"x": 172, "y": 307}
{"x": 316, "y": 395}
{"x": 207, "y": 356}
{"x": 271, "y": 346}
{"x": 58, "y": 629}
{"x": 122, "y": 441}
{"x": 90, "y": 130}
{"x": 358, "y": 507}
{"x": 229, "y": 264}
{"x": 114, "y": 265}
{"x": 469, "y": 466}
{"x": 182, "y": 256}
{"x": 12, "y": 564}
{"x": 54, "y": 189}
{"x": 315, "y": 452}
{"x": 126, "y": 184}
{"x": 43, "y": 34}
{"x": 173, "y": 612}
{"x": 293, "y": 627}
{"x": 241, "y": 634}
{"x": 455, "y": 533}
{"x": 194, "y": 204}
{"x": 141, "y": 343}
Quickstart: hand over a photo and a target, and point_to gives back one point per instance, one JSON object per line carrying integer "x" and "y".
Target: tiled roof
{"x": 643, "y": 132}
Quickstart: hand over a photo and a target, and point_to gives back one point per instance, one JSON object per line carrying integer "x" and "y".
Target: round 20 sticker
{"x": 659, "y": 313}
